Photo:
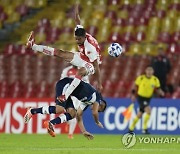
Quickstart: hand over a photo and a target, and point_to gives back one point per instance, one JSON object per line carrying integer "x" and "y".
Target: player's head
{"x": 80, "y": 35}
{"x": 102, "y": 106}
{"x": 149, "y": 71}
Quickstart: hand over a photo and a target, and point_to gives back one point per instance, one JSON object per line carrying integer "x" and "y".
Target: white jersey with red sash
{"x": 90, "y": 50}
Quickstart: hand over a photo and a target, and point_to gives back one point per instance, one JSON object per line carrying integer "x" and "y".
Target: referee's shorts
{"x": 143, "y": 102}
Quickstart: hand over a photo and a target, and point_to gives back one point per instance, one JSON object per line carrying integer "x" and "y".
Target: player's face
{"x": 149, "y": 71}
{"x": 80, "y": 39}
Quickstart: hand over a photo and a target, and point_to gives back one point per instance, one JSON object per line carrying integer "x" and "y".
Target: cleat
{"x": 28, "y": 115}
{"x": 70, "y": 136}
{"x": 61, "y": 98}
{"x": 130, "y": 131}
{"x": 49, "y": 127}
{"x": 31, "y": 40}
{"x": 145, "y": 131}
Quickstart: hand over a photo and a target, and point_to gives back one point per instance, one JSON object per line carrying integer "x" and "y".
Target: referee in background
{"x": 144, "y": 88}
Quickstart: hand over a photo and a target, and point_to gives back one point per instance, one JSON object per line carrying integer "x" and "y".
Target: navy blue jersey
{"x": 84, "y": 91}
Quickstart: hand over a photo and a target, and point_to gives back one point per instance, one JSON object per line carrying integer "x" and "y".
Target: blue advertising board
{"x": 165, "y": 117}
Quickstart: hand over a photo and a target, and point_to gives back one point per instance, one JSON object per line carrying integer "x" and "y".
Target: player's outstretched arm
{"x": 76, "y": 15}
{"x": 86, "y": 134}
{"x": 98, "y": 76}
{"x": 134, "y": 93}
{"x": 96, "y": 114}
{"x": 160, "y": 92}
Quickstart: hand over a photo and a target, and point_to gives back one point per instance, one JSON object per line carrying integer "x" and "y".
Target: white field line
{"x": 83, "y": 149}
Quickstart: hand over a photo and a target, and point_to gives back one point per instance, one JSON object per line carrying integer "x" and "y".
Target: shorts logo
{"x": 145, "y": 103}
{"x": 83, "y": 99}
{"x": 129, "y": 140}
{"x": 46, "y": 52}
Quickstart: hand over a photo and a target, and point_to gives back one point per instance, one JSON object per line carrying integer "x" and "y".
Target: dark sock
{"x": 36, "y": 110}
{"x": 56, "y": 121}
{"x": 68, "y": 116}
{"x": 52, "y": 109}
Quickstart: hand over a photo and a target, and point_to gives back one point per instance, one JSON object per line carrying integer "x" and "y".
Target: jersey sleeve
{"x": 138, "y": 80}
{"x": 91, "y": 52}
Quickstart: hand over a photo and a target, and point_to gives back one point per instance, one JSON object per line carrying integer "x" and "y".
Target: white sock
{"x": 45, "y": 109}
{"x": 63, "y": 118}
{"x": 71, "y": 87}
{"x": 44, "y": 49}
{"x": 72, "y": 126}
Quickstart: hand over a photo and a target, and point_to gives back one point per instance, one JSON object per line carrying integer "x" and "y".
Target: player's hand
{"x": 162, "y": 93}
{"x": 76, "y": 14}
{"x": 100, "y": 124}
{"x": 88, "y": 135}
{"x": 133, "y": 98}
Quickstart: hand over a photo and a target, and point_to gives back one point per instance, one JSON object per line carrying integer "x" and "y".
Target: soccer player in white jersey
{"x": 71, "y": 72}
{"x": 88, "y": 57}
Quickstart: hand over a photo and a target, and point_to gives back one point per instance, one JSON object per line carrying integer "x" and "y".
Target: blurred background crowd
{"x": 148, "y": 30}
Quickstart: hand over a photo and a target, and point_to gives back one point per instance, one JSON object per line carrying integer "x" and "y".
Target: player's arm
{"x": 96, "y": 114}
{"x": 76, "y": 15}
{"x": 134, "y": 93}
{"x": 98, "y": 75}
{"x": 81, "y": 124}
{"x": 80, "y": 120}
{"x": 134, "y": 90}
{"x": 160, "y": 92}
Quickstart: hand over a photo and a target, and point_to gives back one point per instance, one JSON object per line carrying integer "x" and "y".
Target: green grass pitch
{"x": 102, "y": 144}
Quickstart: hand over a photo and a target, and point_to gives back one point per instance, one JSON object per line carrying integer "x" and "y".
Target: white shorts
{"x": 78, "y": 104}
{"x": 79, "y": 62}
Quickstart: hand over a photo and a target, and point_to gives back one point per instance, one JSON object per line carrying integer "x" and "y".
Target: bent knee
{"x": 148, "y": 110}
{"x": 59, "y": 109}
{"x": 72, "y": 112}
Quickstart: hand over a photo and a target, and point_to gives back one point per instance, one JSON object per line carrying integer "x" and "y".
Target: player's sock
{"x": 44, "y": 49}
{"x": 136, "y": 119}
{"x": 44, "y": 110}
{"x": 72, "y": 87}
{"x": 61, "y": 119}
{"x": 72, "y": 126}
{"x": 146, "y": 119}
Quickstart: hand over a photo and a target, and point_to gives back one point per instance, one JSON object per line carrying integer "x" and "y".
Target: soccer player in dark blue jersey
{"x": 82, "y": 97}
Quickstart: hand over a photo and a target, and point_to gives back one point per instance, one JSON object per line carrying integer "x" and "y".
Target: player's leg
{"x": 72, "y": 126}
{"x": 64, "y": 117}
{"x": 73, "y": 58}
{"x": 139, "y": 114}
{"x": 147, "y": 110}
{"x": 70, "y": 114}
{"x": 67, "y": 56}
{"x": 135, "y": 120}
{"x": 59, "y": 108}
{"x": 42, "y": 110}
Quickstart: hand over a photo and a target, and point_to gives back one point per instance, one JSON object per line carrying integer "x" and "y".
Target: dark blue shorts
{"x": 84, "y": 92}
{"x": 67, "y": 104}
